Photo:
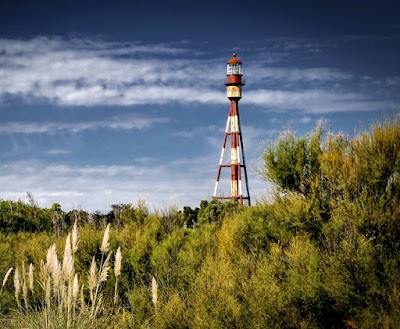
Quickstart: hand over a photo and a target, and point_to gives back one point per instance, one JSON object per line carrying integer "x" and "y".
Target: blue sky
{"x": 104, "y": 103}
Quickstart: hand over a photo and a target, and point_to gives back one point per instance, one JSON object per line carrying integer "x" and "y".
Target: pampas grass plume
{"x": 154, "y": 291}
{"x": 92, "y": 282}
{"x": 31, "y": 268}
{"x": 5, "y": 279}
{"x": 68, "y": 261}
{"x": 7, "y": 275}
{"x": 105, "y": 268}
{"x": 17, "y": 285}
{"x": 118, "y": 261}
{"x": 75, "y": 240}
{"x": 51, "y": 259}
{"x": 105, "y": 245}
{"x": 75, "y": 287}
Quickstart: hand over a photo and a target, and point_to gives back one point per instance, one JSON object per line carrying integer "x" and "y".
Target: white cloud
{"x": 305, "y": 120}
{"x": 314, "y": 101}
{"x": 44, "y": 44}
{"x": 82, "y": 72}
{"x": 182, "y": 181}
{"x": 115, "y": 123}
{"x": 97, "y": 187}
{"x": 260, "y": 73}
{"x": 58, "y": 152}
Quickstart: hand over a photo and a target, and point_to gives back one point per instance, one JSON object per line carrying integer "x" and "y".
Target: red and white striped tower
{"x": 234, "y": 83}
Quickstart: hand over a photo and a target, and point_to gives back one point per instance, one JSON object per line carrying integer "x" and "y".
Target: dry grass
{"x": 62, "y": 293}
{"x": 154, "y": 295}
{"x": 55, "y": 296}
{"x": 5, "y": 279}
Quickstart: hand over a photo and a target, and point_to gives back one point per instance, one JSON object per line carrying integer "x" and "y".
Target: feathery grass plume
{"x": 104, "y": 269}
{"x": 92, "y": 278}
{"x": 31, "y": 268}
{"x": 7, "y": 275}
{"x": 75, "y": 240}
{"x": 51, "y": 258}
{"x": 68, "y": 260}
{"x": 154, "y": 291}
{"x": 24, "y": 285}
{"x": 118, "y": 262}
{"x": 43, "y": 274}
{"x": 47, "y": 292}
{"x": 105, "y": 245}
{"x": 17, "y": 285}
{"x": 117, "y": 271}
{"x": 56, "y": 273}
{"x": 5, "y": 279}
{"x": 53, "y": 266}
{"x": 75, "y": 287}
{"x": 25, "y": 292}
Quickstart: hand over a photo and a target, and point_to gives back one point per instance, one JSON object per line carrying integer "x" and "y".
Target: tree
{"x": 293, "y": 164}
{"x": 190, "y": 216}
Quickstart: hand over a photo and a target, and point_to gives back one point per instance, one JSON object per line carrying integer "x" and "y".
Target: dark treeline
{"x": 18, "y": 216}
{"x": 324, "y": 253}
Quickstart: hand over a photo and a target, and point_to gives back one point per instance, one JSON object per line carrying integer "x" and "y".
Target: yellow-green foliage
{"x": 323, "y": 254}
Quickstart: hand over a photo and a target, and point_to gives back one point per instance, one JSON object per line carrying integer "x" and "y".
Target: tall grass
{"x": 65, "y": 300}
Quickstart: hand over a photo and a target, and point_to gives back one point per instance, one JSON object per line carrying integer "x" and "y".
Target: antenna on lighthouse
{"x": 233, "y": 83}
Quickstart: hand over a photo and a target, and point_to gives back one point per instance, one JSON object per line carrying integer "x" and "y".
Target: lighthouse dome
{"x": 234, "y": 59}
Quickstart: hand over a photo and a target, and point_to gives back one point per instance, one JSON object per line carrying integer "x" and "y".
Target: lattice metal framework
{"x": 234, "y": 82}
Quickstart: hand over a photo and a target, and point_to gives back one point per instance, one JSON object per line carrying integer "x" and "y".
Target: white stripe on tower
{"x": 215, "y": 189}
{"x": 239, "y": 168}
{"x": 221, "y": 159}
{"x": 234, "y": 149}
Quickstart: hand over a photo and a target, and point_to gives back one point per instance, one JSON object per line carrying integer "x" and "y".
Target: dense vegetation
{"x": 324, "y": 253}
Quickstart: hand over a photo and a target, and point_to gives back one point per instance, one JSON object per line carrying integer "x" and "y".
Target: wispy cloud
{"x": 305, "y": 120}
{"x": 58, "y": 152}
{"x": 315, "y": 101}
{"x": 261, "y": 73}
{"x": 88, "y": 73}
{"x": 115, "y": 123}
{"x": 44, "y": 44}
{"x": 82, "y": 72}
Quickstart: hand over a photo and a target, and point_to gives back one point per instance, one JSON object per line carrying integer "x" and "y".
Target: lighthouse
{"x": 233, "y": 136}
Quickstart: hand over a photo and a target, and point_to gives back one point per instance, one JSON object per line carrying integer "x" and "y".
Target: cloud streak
{"x": 58, "y": 152}
{"x": 116, "y": 123}
{"x": 82, "y": 72}
{"x": 260, "y": 73}
{"x": 315, "y": 101}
